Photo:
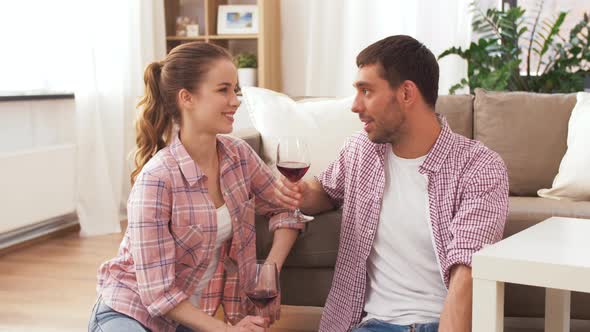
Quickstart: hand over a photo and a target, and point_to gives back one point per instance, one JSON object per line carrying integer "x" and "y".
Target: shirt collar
{"x": 227, "y": 152}
{"x": 189, "y": 168}
{"x": 437, "y": 154}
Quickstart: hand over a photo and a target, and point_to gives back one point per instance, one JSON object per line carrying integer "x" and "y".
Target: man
{"x": 418, "y": 200}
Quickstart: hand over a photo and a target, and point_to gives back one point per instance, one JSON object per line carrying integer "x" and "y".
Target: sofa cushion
{"x": 324, "y": 123}
{"x": 305, "y": 286}
{"x": 573, "y": 180}
{"x": 528, "y": 130}
{"x": 524, "y": 212}
{"x": 250, "y": 136}
{"x": 458, "y": 110}
{"x": 317, "y": 247}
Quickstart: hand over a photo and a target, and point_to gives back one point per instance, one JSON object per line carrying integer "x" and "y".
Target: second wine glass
{"x": 263, "y": 286}
{"x": 293, "y": 162}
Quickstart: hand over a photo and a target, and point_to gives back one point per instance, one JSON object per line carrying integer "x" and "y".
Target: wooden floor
{"x": 50, "y": 286}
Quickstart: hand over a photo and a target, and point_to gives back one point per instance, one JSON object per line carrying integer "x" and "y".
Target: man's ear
{"x": 408, "y": 92}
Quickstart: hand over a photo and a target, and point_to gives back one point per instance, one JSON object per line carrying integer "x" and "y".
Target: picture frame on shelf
{"x": 192, "y": 30}
{"x": 237, "y": 19}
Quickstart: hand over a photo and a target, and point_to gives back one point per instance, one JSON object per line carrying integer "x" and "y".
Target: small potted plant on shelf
{"x": 246, "y": 63}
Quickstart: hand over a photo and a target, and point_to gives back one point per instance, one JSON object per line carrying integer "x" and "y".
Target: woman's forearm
{"x": 186, "y": 314}
{"x": 283, "y": 240}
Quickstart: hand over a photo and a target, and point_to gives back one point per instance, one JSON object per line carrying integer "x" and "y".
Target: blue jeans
{"x": 375, "y": 325}
{"x": 105, "y": 319}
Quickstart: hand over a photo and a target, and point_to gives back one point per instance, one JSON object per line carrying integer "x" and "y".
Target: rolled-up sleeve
{"x": 152, "y": 245}
{"x": 481, "y": 215}
{"x": 333, "y": 177}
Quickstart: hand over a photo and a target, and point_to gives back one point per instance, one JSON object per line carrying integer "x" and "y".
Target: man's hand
{"x": 309, "y": 196}
{"x": 456, "y": 315}
{"x": 290, "y": 195}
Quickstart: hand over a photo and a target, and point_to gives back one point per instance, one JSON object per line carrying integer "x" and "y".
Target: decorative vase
{"x": 247, "y": 76}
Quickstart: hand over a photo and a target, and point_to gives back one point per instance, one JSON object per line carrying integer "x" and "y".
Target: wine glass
{"x": 293, "y": 162}
{"x": 263, "y": 287}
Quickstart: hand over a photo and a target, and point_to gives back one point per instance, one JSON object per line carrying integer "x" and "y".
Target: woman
{"x": 190, "y": 240}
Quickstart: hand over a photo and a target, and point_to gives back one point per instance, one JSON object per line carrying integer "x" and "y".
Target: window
{"x": 551, "y": 9}
{"x": 38, "y": 41}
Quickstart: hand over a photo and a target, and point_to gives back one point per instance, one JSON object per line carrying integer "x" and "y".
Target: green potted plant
{"x": 246, "y": 63}
{"x": 509, "y": 37}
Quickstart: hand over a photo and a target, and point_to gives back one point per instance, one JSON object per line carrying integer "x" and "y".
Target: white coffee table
{"x": 554, "y": 254}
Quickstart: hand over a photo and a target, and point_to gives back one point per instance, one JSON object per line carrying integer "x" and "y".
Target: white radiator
{"x": 37, "y": 185}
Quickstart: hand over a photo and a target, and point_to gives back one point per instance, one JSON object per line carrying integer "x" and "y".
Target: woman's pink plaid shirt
{"x": 171, "y": 234}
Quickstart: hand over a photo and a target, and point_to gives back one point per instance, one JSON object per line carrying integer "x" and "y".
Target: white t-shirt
{"x": 224, "y": 233}
{"x": 405, "y": 285}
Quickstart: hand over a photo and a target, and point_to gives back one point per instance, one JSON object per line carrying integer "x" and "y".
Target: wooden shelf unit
{"x": 266, "y": 44}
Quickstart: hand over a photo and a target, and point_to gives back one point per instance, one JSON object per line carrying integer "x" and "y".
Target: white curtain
{"x": 116, "y": 41}
{"x": 322, "y": 38}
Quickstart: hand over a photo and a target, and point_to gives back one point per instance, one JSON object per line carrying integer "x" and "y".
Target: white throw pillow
{"x": 325, "y": 124}
{"x": 573, "y": 180}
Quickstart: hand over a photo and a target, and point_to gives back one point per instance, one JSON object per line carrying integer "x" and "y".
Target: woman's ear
{"x": 185, "y": 98}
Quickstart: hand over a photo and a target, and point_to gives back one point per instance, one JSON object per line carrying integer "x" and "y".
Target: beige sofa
{"x": 528, "y": 130}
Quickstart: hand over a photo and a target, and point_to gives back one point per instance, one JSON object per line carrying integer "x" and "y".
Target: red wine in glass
{"x": 293, "y": 162}
{"x": 263, "y": 285}
{"x": 293, "y": 170}
{"x": 261, "y": 298}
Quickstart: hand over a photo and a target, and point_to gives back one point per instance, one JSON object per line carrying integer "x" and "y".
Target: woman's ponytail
{"x": 154, "y": 126}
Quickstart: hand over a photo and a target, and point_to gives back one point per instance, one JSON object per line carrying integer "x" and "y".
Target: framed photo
{"x": 237, "y": 19}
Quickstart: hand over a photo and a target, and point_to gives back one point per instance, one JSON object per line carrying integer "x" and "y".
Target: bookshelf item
{"x": 237, "y": 19}
{"x": 265, "y": 44}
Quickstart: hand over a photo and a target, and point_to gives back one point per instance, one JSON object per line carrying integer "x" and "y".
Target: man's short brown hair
{"x": 403, "y": 58}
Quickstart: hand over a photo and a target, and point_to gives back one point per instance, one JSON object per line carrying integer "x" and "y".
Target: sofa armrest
{"x": 251, "y": 136}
